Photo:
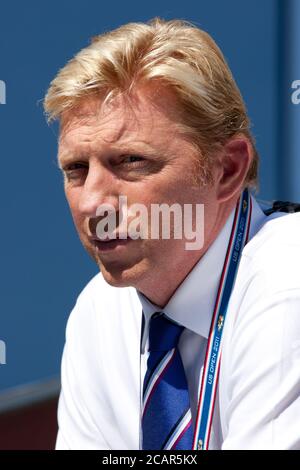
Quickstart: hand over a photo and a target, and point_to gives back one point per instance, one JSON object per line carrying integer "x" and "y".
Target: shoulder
{"x": 282, "y": 228}
{"x": 98, "y": 295}
{"x": 268, "y": 274}
{"x": 102, "y": 341}
{"x": 259, "y": 376}
{"x": 100, "y": 306}
{"x": 274, "y": 253}
{"x": 265, "y": 301}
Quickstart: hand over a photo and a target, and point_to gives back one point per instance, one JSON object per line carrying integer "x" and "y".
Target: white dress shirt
{"x": 258, "y": 402}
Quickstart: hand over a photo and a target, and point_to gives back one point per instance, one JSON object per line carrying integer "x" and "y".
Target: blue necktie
{"x": 166, "y": 419}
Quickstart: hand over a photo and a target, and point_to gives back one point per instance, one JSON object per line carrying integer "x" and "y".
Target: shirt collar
{"x": 193, "y": 302}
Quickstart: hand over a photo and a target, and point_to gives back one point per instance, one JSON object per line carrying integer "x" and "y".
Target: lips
{"x": 110, "y": 244}
{"x": 117, "y": 236}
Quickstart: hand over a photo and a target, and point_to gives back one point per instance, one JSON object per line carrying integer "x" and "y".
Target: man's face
{"x": 135, "y": 150}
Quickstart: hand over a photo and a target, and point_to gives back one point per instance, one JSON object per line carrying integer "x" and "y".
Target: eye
{"x": 132, "y": 160}
{"x": 74, "y": 170}
{"x": 74, "y": 166}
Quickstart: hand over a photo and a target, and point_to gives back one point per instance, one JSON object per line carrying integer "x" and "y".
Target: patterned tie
{"x": 166, "y": 419}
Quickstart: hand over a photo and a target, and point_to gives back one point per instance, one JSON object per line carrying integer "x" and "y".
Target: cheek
{"x": 158, "y": 188}
{"x": 73, "y": 201}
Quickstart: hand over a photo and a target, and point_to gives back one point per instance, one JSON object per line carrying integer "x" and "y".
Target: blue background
{"x": 43, "y": 266}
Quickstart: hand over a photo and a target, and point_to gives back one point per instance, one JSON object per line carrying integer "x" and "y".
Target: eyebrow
{"x": 69, "y": 157}
{"x": 136, "y": 147}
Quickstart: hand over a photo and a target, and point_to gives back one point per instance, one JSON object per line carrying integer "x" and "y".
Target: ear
{"x": 234, "y": 162}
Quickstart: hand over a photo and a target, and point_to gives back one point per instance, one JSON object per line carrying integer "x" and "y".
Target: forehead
{"x": 150, "y": 114}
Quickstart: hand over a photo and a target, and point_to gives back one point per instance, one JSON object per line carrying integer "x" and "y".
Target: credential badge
{"x": 220, "y": 322}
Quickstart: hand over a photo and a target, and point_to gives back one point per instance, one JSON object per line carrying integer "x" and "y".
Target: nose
{"x": 100, "y": 187}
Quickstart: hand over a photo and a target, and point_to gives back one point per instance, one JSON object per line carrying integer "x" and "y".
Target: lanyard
{"x": 238, "y": 239}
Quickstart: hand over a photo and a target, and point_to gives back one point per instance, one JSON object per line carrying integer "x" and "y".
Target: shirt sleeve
{"x": 264, "y": 374}
{"x": 79, "y": 424}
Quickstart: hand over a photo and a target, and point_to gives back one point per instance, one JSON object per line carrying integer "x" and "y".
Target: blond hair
{"x": 180, "y": 56}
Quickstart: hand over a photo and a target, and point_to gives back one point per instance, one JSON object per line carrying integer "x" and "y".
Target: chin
{"x": 121, "y": 275}
{"x": 123, "y": 270}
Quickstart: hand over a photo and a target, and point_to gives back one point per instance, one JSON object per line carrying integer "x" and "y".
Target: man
{"x": 151, "y": 113}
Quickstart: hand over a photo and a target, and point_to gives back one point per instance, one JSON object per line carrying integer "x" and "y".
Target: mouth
{"x": 103, "y": 246}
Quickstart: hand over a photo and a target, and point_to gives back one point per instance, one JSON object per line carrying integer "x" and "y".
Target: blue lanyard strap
{"x": 210, "y": 375}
